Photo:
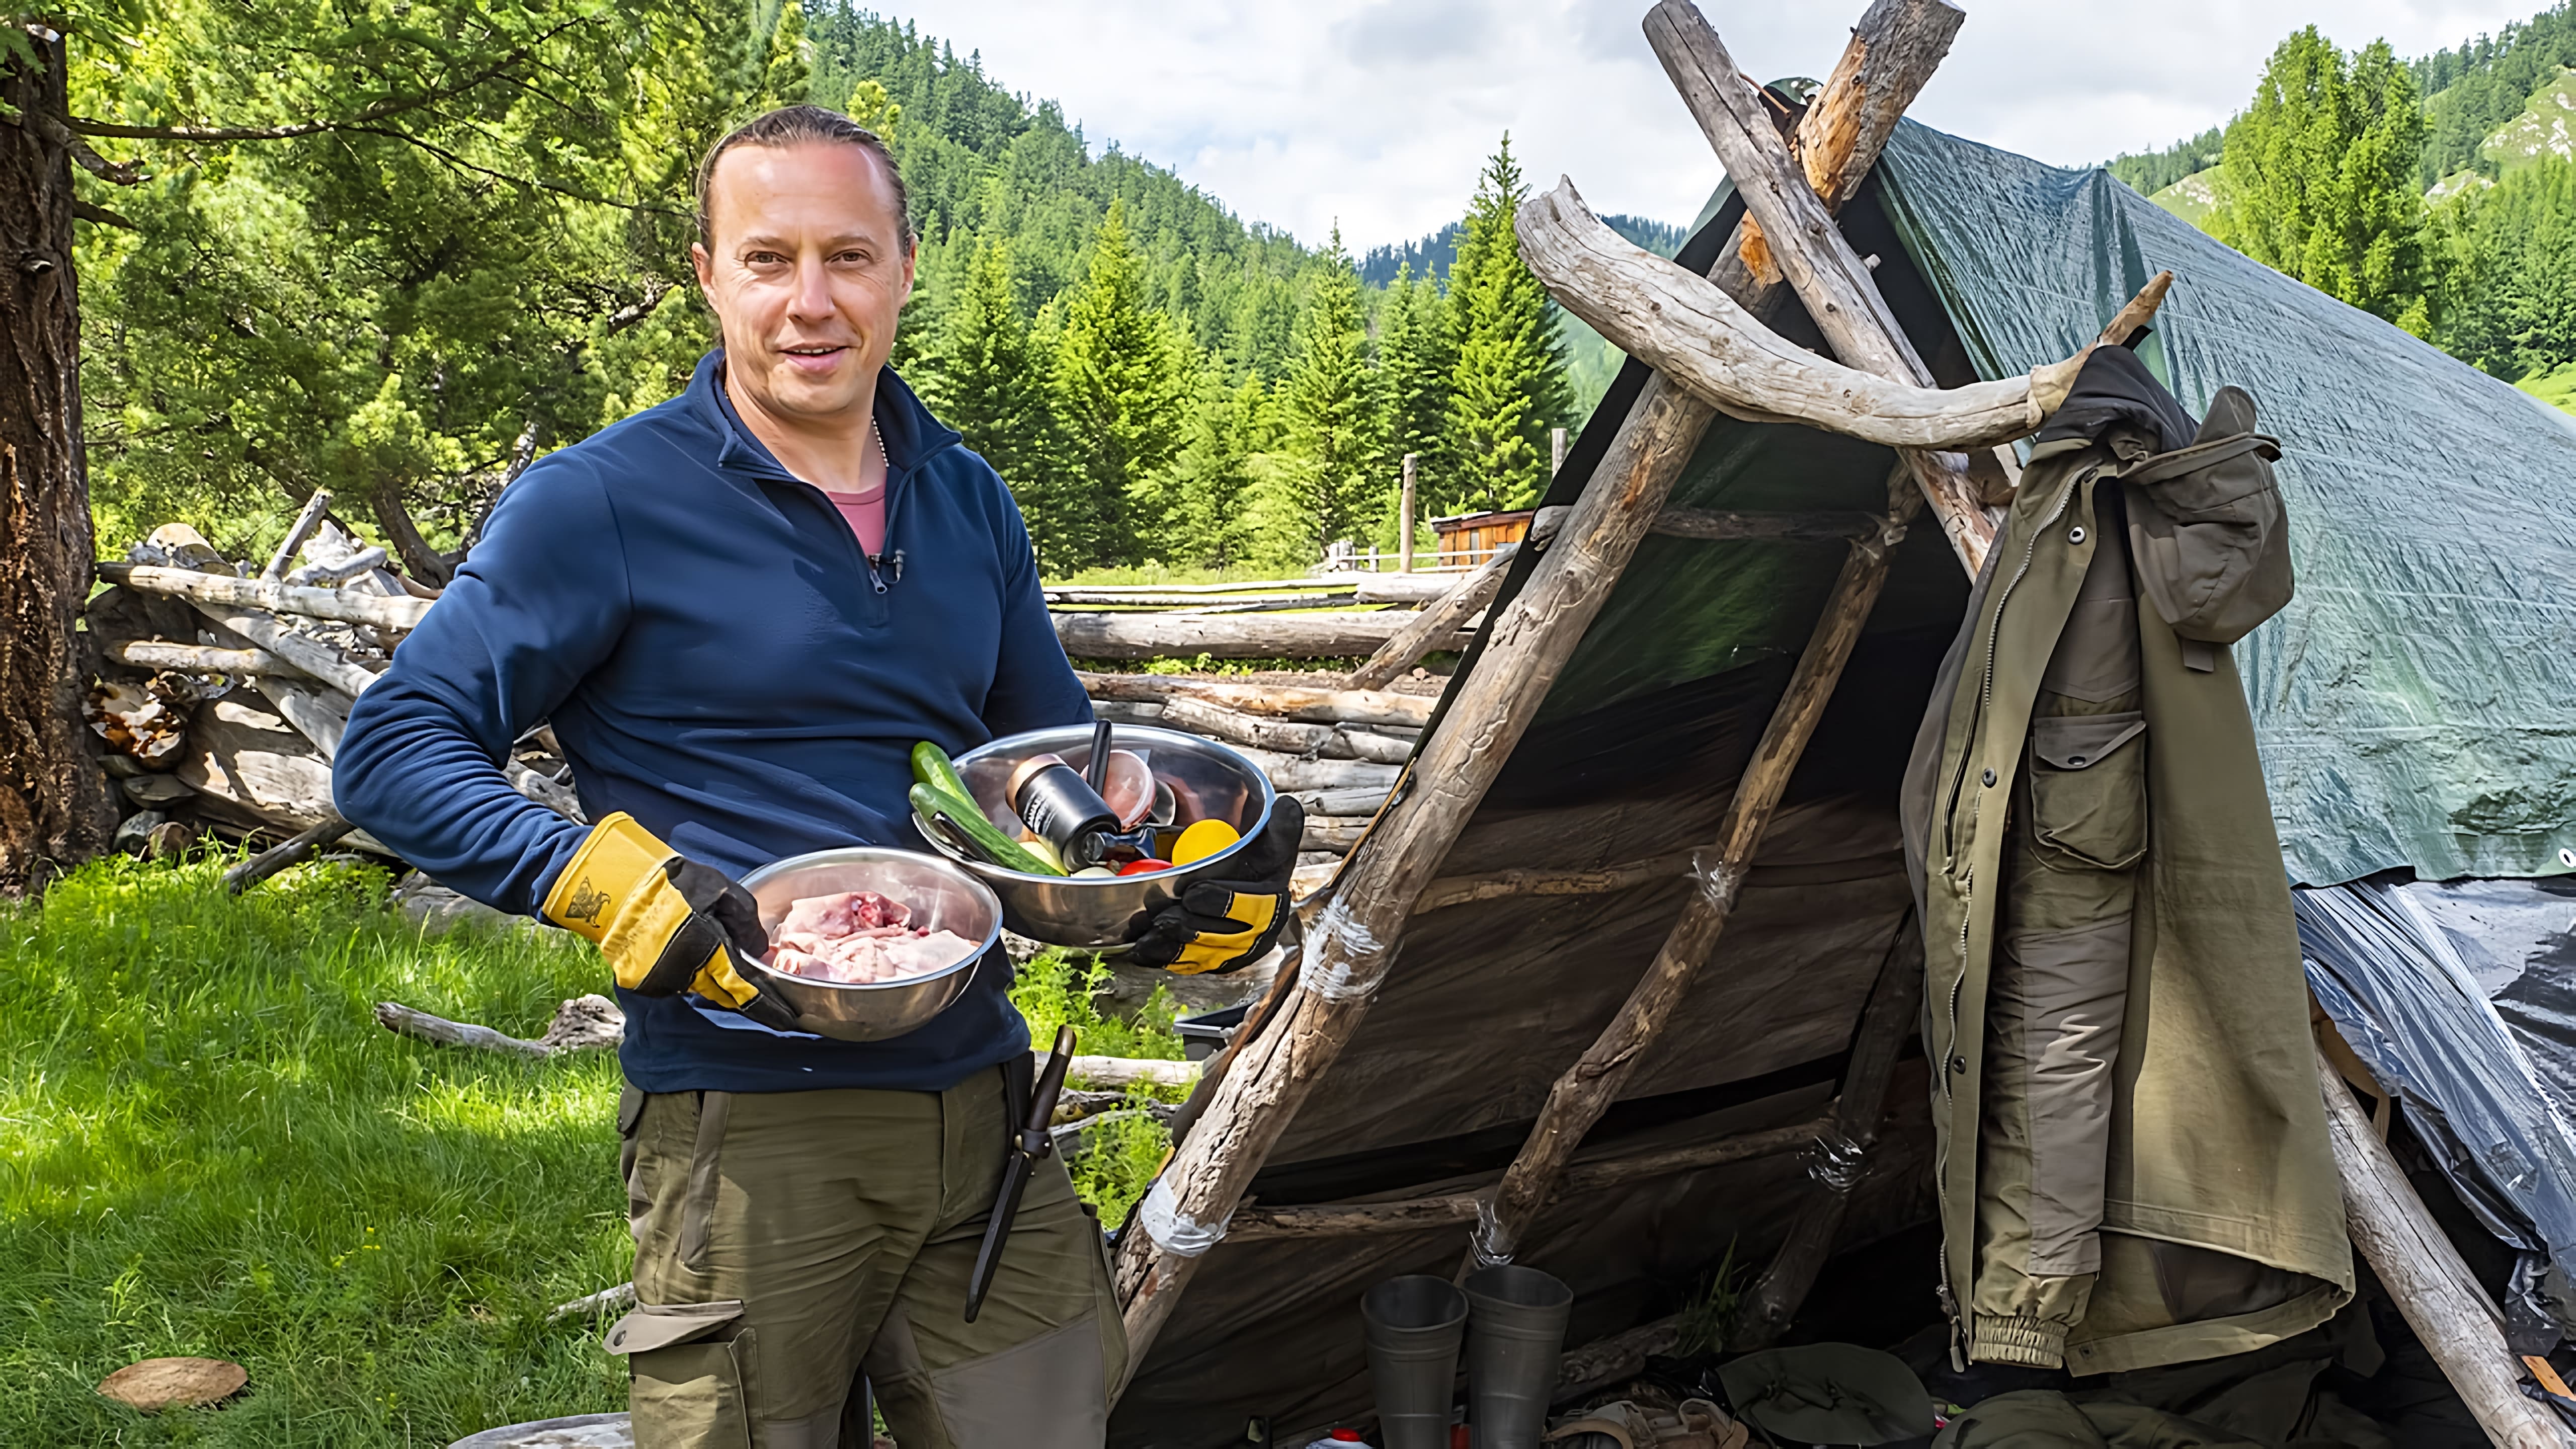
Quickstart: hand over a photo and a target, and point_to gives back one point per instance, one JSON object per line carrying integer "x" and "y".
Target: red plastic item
{"x": 1458, "y": 1436}
{"x": 1345, "y": 1436}
{"x": 1147, "y": 867}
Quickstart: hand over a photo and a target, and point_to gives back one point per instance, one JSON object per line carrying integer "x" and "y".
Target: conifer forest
{"x": 387, "y": 260}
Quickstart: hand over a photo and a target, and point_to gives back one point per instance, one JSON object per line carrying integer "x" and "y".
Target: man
{"x": 740, "y": 610}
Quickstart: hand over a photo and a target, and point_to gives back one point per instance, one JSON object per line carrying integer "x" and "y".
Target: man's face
{"x": 807, "y": 274}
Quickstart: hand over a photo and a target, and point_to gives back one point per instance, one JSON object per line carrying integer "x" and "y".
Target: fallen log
{"x": 320, "y": 660}
{"x": 1289, "y": 773}
{"x": 1287, "y": 737}
{"x": 1279, "y": 701}
{"x": 1403, "y": 588}
{"x": 1334, "y": 833}
{"x": 254, "y": 760}
{"x": 1362, "y": 802}
{"x": 296, "y": 849}
{"x": 196, "y": 658}
{"x": 1088, "y": 600}
{"x": 1225, "y": 636}
{"x": 581, "y": 1023}
{"x": 342, "y": 605}
{"x": 319, "y": 714}
{"x": 1119, "y": 1072}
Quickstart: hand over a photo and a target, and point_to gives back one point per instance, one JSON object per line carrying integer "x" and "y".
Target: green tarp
{"x": 2416, "y": 704}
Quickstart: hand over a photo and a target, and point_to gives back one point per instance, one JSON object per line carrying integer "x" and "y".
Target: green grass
{"x": 2558, "y": 388}
{"x": 208, "y": 1147}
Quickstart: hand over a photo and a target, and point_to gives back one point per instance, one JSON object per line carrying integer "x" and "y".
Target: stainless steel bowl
{"x": 1207, "y": 781}
{"x": 942, "y": 898}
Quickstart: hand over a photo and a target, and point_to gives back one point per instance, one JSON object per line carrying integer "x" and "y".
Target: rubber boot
{"x": 1414, "y": 1327}
{"x": 1515, "y": 1330}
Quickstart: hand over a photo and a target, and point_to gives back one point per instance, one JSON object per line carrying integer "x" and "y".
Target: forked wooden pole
{"x": 1892, "y": 52}
{"x": 1596, "y": 1079}
{"x": 1800, "y": 238}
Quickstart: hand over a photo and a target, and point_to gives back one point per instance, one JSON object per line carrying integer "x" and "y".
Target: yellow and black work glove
{"x": 1225, "y": 925}
{"x": 666, "y": 923}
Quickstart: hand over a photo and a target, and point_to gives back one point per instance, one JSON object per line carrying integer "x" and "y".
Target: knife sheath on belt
{"x": 1034, "y": 1143}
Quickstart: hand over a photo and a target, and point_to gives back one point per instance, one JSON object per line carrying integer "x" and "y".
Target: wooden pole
{"x": 1796, "y": 222}
{"x": 1438, "y": 621}
{"x": 1555, "y": 451}
{"x": 1843, "y": 1163}
{"x": 1347, "y": 1220}
{"x": 1352, "y": 946}
{"x": 306, "y": 520}
{"x": 343, "y": 605}
{"x": 1587, "y": 1088}
{"x": 1404, "y": 518}
{"x": 2424, "y": 1274}
{"x": 1892, "y": 52}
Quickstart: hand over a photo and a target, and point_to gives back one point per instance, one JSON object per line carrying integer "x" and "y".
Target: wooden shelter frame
{"x": 1707, "y": 361}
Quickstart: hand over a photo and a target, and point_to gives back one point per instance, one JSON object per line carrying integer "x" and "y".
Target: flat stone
{"x": 186, "y": 1383}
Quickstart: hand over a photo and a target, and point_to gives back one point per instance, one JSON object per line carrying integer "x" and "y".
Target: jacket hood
{"x": 2114, "y": 388}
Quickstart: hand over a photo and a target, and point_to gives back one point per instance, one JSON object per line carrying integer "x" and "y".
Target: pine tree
{"x": 1231, "y": 434}
{"x": 1118, "y": 388}
{"x": 1417, "y": 352}
{"x": 989, "y": 381}
{"x": 1509, "y": 386}
{"x": 1332, "y": 484}
{"x": 2320, "y": 174}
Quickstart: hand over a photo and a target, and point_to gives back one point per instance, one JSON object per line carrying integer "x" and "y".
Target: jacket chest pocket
{"x": 2088, "y": 788}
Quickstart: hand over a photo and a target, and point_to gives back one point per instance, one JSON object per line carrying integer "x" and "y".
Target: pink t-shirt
{"x": 866, "y": 513}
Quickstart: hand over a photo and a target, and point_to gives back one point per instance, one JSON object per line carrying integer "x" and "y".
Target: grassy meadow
{"x": 208, "y": 1147}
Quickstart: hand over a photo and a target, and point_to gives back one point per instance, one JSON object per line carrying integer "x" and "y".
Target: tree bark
{"x": 54, "y": 807}
{"x": 425, "y": 563}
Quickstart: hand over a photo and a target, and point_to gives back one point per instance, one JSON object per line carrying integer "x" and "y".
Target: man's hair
{"x": 798, "y": 126}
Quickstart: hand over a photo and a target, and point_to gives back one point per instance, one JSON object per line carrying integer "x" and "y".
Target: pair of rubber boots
{"x": 1511, "y": 1321}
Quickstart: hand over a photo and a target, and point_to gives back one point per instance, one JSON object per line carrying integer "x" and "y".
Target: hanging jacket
{"x": 2223, "y": 1218}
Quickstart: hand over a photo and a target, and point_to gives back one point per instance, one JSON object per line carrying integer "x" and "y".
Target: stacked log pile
{"x": 225, "y": 685}
{"x": 222, "y": 692}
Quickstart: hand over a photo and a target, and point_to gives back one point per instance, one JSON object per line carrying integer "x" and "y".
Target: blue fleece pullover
{"x": 719, "y": 660}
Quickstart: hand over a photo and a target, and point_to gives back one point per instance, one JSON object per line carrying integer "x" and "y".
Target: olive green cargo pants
{"x": 789, "y": 1245}
{"x": 2058, "y": 994}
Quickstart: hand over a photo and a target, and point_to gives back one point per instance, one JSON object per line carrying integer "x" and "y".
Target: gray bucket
{"x": 1515, "y": 1331}
{"x": 1414, "y": 1326}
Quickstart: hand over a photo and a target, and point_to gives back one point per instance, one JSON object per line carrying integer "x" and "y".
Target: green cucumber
{"x": 931, "y": 766}
{"x": 930, "y": 802}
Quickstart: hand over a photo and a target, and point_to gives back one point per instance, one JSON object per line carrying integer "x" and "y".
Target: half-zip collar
{"x": 911, "y": 437}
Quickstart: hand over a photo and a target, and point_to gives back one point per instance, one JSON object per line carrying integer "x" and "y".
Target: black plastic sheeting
{"x": 2461, "y": 999}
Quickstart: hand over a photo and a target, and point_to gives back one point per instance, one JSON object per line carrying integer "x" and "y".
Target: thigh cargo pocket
{"x": 693, "y": 1374}
{"x": 2088, "y": 788}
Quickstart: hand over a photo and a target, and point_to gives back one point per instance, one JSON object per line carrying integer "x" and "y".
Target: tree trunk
{"x": 54, "y": 806}
{"x": 424, "y": 562}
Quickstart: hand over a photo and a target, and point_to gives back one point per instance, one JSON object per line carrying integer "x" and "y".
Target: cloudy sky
{"x": 1377, "y": 113}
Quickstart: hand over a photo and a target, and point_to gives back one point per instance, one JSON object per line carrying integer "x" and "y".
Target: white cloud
{"x": 1378, "y": 113}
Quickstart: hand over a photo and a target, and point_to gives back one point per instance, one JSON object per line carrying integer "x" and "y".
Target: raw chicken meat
{"x": 859, "y": 936}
